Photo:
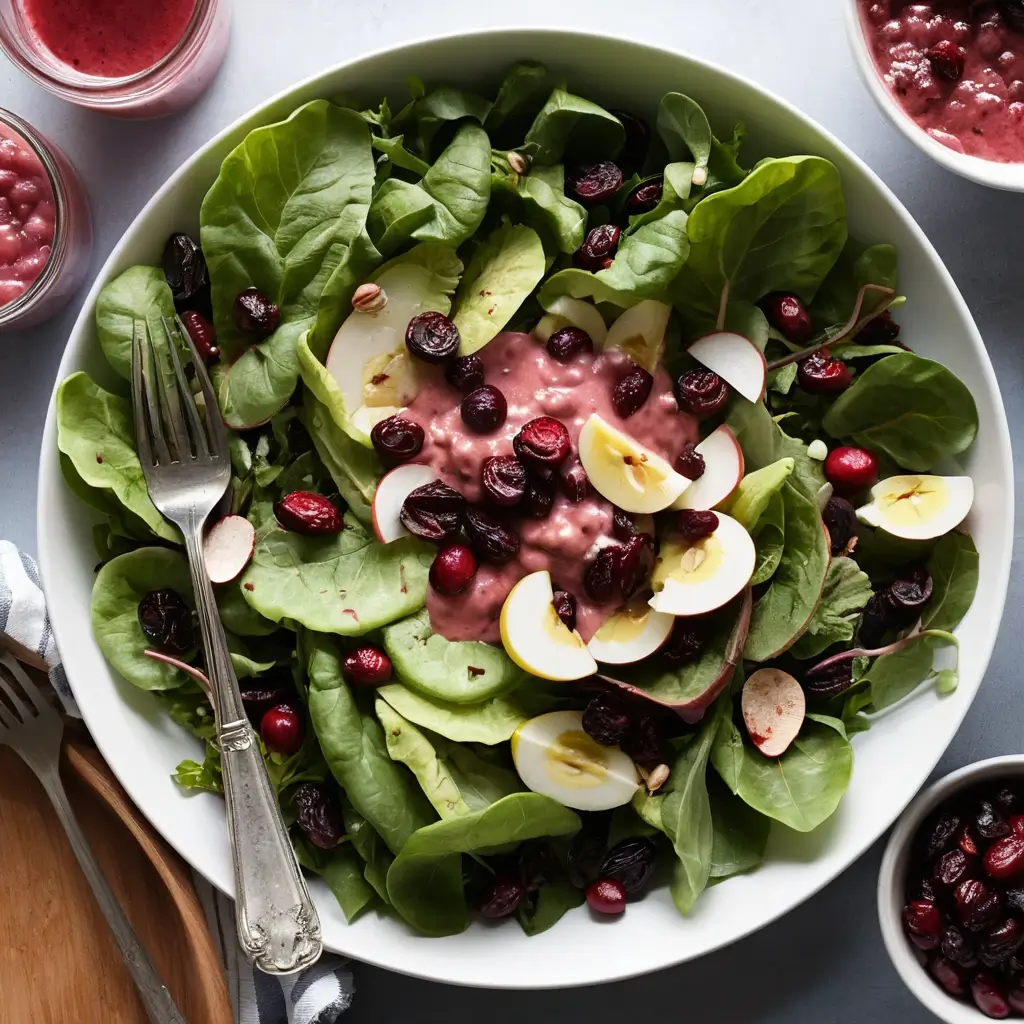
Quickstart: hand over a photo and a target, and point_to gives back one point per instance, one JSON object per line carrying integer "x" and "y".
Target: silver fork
{"x": 185, "y": 460}
{"x": 33, "y": 729}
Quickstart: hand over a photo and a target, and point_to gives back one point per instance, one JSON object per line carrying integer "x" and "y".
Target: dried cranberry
{"x": 317, "y": 815}
{"x": 978, "y": 906}
{"x": 282, "y": 729}
{"x": 166, "y": 621}
{"x": 491, "y": 540}
{"x": 542, "y": 443}
{"x": 875, "y": 621}
{"x": 879, "y": 330}
{"x": 906, "y": 597}
{"x": 466, "y": 373}
{"x": 432, "y": 337}
{"x": 309, "y": 513}
{"x": 433, "y": 511}
{"x": 701, "y": 393}
{"x": 952, "y": 977}
{"x": 834, "y": 678}
{"x": 953, "y": 867}
{"x": 988, "y": 821}
{"x": 184, "y": 269}
{"x": 572, "y": 479}
{"x": 696, "y": 524}
{"x": 622, "y": 525}
{"x": 840, "y": 519}
{"x": 644, "y": 743}
{"x": 1016, "y": 823}
{"x": 638, "y": 137}
{"x": 988, "y": 995}
{"x": 539, "y": 499}
{"x": 822, "y": 374}
{"x": 367, "y": 666}
{"x": 956, "y": 946}
{"x": 967, "y": 842}
{"x": 598, "y": 248}
{"x": 789, "y": 316}
{"x": 452, "y": 569}
{"x": 1005, "y": 857}
{"x": 397, "y": 439}
{"x": 947, "y": 59}
{"x": 923, "y": 922}
{"x": 850, "y": 470}
{"x": 203, "y": 335}
{"x": 690, "y": 463}
{"x": 631, "y": 392}
{"x": 484, "y": 410}
{"x": 1008, "y": 799}
{"x": 503, "y": 480}
{"x": 538, "y": 866}
{"x": 1001, "y": 942}
{"x": 1014, "y": 897}
{"x": 255, "y": 315}
{"x": 601, "y": 577}
{"x": 565, "y": 608}
{"x": 686, "y": 642}
{"x": 645, "y": 197}
{"x": 503, "y": 898}
{"x": 606, "y": 720}
{"x": 631, "y": 862}
{"x": 262, "y": 695}
{"x": 606, "y": 896}
{"x": 940, "y": 833}
{"x": 585, "y": 856}
{"x": 596, "y": 183}
{"x": 635, "y": 564}
{"x": 568, "y": 342}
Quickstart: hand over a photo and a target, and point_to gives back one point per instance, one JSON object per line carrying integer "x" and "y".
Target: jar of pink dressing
{"x": 129, "y": 58}
{"x": 45, "y": 227}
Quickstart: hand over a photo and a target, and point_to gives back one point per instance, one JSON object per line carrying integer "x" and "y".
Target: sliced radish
{"x": 640, "y": 332}
{"x": 228, "y": 546}
{"x": 569, "y": 312}
{"x": 735, "y": 359}
{"x": 631, "y": 634}
{"x": 390, "y": 495}
{"x": 723, "y": 471}
{"x": 773, "y": 706}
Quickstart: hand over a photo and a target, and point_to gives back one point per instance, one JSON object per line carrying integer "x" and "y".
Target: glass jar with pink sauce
{"x": 129, "y": 58}
{"x": 45, "y": 226}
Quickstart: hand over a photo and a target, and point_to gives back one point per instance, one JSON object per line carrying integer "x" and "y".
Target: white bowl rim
{"x": 1006, "y": 176}
{"x": 891, "y": 874}
{"x": 49, "y": 468}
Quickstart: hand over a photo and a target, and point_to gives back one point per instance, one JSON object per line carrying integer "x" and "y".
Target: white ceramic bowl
{"x": 893, "y": 760}
{"x": 985, "y": 172}
{"x": 893, "y": 875}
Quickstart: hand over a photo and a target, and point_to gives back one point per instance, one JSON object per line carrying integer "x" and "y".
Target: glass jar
{"x": 174, "y": 81}
{"x": 45, "y": 226}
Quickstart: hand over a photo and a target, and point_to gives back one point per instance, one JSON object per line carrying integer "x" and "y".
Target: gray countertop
{"x": 824, "y": 962}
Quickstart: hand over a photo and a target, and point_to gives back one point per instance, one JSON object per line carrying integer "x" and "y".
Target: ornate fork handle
{"x": 278, "y": 927}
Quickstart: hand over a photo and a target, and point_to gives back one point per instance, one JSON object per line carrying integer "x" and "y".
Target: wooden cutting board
{"x": 58, "y": 962}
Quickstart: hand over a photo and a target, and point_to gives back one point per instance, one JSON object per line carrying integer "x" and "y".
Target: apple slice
{"x": 693, "y": 579}
{"x": 640, "y": 332}
{"x": 773, "y": 706}
{"x": 536, "y": 639}
{"x": 735, "y": 359}
{"x": 227, "y": 548}
{"x": 569, "y": 312}
{"x": 723, "y": 470}
{"x": 919, "y": 507}
{"x": 390, "y": 495}
{"x": 631, "y": 634}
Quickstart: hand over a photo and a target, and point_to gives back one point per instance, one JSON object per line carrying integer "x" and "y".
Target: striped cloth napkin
{"x": 317, "y": 995}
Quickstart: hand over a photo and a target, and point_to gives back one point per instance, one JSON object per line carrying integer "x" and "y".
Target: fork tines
{"x": 16, "y": 691}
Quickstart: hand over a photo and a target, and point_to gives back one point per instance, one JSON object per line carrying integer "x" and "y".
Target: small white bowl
{"x": 892, "y": 879}
{"x": 1007, "y": 176}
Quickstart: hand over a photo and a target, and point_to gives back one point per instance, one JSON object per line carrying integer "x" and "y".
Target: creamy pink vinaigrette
{"x": 534, "y": 385}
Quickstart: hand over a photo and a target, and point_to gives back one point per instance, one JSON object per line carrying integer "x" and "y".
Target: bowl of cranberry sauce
{"x": 45, "y": 227}
{"x": 951, "y": 893}
{"x": 131, "y": 58}
{"x": 950, "y": 75}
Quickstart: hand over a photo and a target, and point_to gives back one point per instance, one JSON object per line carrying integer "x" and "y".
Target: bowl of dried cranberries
{"x": 951, "y": 893}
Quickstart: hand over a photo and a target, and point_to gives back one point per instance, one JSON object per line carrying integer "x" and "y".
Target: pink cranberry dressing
{"x": 535, "y": 385}
{"x": 27, "y": 214}
{"x": 956, "y": 68}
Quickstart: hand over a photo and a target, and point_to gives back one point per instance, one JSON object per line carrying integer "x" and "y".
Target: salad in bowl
{"x": 587, "y": 499}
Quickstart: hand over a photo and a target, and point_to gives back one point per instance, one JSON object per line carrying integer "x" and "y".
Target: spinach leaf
{"x": 425, "y": 881}
{"x": 239, "y": 617}
{"x": 894, "y": 675}
{"x": 139, "y": 294}
{"x": 287, "y": 215}
{"x": 953, "y": 567}
{"x": 782, "y": 227}
{"x": 342, "y": 870}
{"x": 755, "y": 492}
{"x": 543, "y": 204}
{"x": 372, "y": 850}
{"x": 572, "y": 127}
{"x": 489, "y": 722}
{"x": 383, "y": 792}
{"x": 843, "y": 598}
{"x": 784, "y": 611}
{"x": 458, "y": 672}
{"x": 911, "y": 408}
{"x": 683, "y": 127}
{"x": 500, "y": 277}
{"x": 94, "y": 431}
{"x": 120, "y": 585}
{"x": 880, "y": 553}
{"x": 394, "y": 151}
{"x": 520, "y": 98}
{"x": 769, "y": 540}
{"x": 740, "y": 832}
{"x": 431, "y": 111}
{"x": 858, "y": 265}
{"x": 543, "y": 910}
{"x": 346, "y": 583}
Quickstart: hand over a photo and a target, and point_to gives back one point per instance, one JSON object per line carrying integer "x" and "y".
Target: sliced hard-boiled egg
{"x": 624, "y": 471}
{"x": 566, "y": 311}
{"x": 390, "y": 495}
{"x": 723, "y": 470}
{"x": 556, "y": 758}
{"x": 536, "y": 639}
{"x": 640, "y": 332}
{"x": 693, "y": 579}
{"x": 630, "y": 634}
{"x": 919, "y": 507}
{"x": 735, "y": 359}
